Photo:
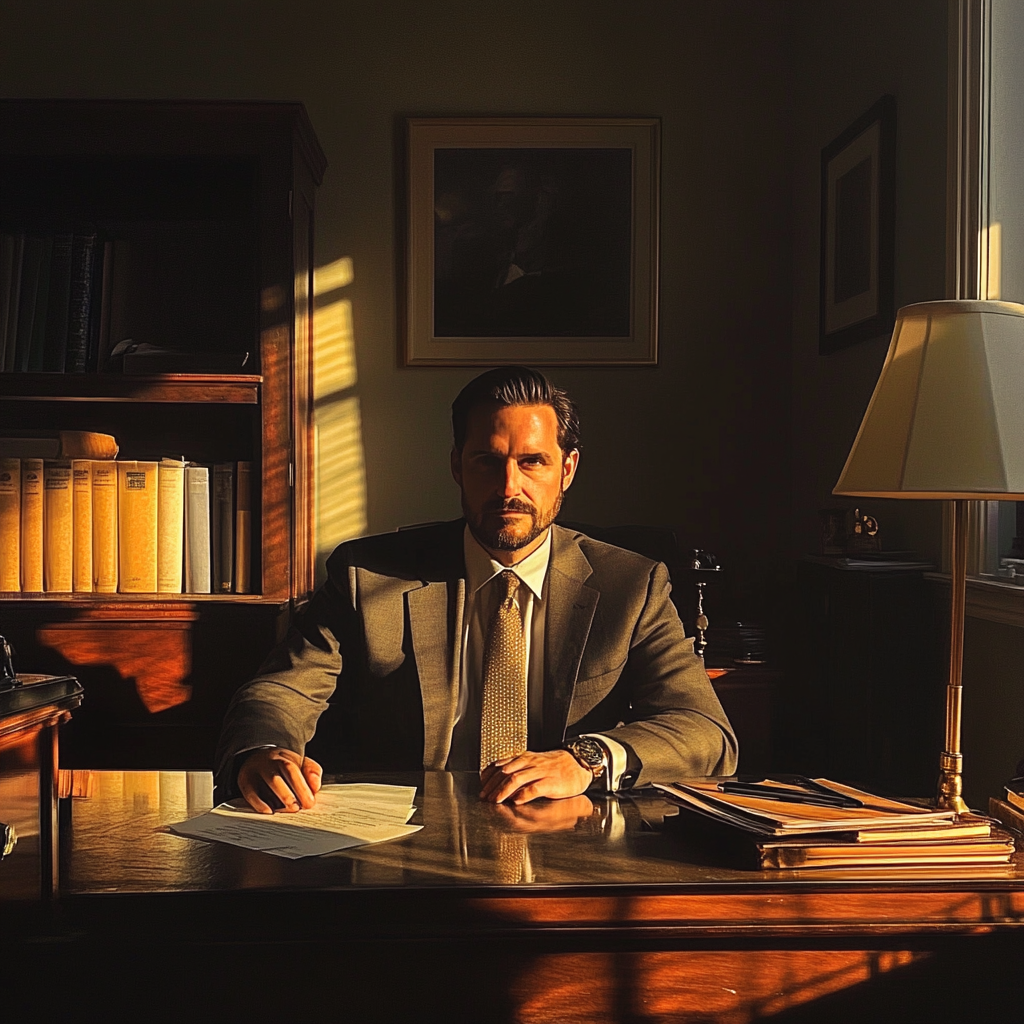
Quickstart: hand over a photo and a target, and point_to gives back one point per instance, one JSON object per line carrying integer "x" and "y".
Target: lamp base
{"x": 951, "y": 783}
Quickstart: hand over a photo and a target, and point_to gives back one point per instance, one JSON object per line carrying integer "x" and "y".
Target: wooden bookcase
{"x": 216, "y": 202}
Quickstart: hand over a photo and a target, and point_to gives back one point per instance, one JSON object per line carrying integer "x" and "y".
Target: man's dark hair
{"x": 516, "y": 385}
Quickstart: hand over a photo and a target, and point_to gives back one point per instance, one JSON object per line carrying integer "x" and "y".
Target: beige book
{"x": 10, "y": 524}
{"x": 104, "y": 527}
{"x": 197, "y": 529}
{"x": 81, "y": 476}
{"x": 170, "y": 526}
{"x": 137, "y": 526}
{"x": 243, "y": 528}
{"x": 32, "y": 525}
{"x": 58, "y": 527}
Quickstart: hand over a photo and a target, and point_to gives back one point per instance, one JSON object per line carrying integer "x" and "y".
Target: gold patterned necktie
{"x": 503, "y": 717}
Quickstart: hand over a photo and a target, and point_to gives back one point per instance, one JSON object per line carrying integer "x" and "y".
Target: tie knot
{"x": 510, "y": 583}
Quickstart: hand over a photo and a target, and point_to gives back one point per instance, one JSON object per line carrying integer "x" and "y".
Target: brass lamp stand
{"x": 951, "y": 760}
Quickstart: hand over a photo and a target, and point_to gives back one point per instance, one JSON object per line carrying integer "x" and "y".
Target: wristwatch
{"x": 590, "y": 753}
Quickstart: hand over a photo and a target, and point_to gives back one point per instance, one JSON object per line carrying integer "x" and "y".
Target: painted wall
{"x": 737, "y": 437}
{"x": 699, "y": 443}
{"x": 846, "y": 56}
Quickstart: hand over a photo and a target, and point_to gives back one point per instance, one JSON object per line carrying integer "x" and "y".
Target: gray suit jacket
{"x": 372, "y": 663}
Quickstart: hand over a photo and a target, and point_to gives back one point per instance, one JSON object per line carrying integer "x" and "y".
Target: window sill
{"x": 992, "y": 599}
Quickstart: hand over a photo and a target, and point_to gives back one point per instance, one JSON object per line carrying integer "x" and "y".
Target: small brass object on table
{"x": 703, "y": 566}
{"x": 864, "y": 537}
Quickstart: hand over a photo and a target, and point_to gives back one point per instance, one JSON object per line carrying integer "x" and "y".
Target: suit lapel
{"x": 435, "y": 624}
{"x": 571, "y": 607}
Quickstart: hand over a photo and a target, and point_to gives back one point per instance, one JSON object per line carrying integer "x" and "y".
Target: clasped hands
{"x": 277, "y": 775}
{"x": 532, "y": 774}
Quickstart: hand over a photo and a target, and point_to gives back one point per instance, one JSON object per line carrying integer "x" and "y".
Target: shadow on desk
{"x": 497, "y": 978}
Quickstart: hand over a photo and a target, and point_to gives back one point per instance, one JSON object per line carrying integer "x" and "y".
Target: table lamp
{"x": 946, "y": 421}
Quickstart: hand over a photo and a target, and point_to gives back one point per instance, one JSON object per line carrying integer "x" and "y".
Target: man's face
{"x": 513, "y": 203}
{"x": 512, "y": 474}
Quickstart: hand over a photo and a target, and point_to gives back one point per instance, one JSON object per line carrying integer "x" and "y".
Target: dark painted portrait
{"x": 532, "y": 242}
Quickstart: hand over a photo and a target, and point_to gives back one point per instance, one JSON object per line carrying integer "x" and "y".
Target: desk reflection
{"x": 116, "y": 839}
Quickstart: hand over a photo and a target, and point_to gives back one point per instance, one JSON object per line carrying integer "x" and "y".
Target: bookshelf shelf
{"x": 135, "y": 603}
{"x": 108, "y": 387}
{"x": 203, "y": 217}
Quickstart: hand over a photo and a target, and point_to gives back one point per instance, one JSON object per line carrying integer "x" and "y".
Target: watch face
{"x": 589, "y": 751}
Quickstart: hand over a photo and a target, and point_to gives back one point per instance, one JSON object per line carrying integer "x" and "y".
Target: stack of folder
{"x": 795, "y": 822}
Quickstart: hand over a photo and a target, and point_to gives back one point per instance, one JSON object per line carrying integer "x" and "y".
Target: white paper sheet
{"x": 344, "y": 816}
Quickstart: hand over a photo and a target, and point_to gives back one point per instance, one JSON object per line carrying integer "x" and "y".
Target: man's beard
{"x": 499, "y": 536}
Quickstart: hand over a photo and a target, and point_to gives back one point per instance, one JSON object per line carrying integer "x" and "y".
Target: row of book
{"x": 816, "y": 823}
{"x": 124, "y": 526}
{"x": 57, "y": 301}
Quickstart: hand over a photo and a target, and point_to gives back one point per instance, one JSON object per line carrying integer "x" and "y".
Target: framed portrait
{"x": 532, "y": 240}
{"x": 858, "y": 229}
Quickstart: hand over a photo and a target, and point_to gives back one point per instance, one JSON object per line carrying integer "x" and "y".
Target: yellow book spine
{"x": 81, "y": 475}
{"x": 170, "y": 526}
{"x": 137, "y": 526}
{"x": 104, "y": 526}
{"x": 10, "y": 524}
{"x": 32, "y": 525}
{"x": 58, "y": 527}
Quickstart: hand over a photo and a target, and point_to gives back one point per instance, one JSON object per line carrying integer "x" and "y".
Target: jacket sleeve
{"x": 675, "y": 723}
{"x": 281, "y": 705}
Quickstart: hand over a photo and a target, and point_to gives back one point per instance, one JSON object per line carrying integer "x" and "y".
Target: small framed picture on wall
{"x": 858, "y": 229}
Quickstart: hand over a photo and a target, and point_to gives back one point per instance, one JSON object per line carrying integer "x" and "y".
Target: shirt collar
{"x": 481, "y": 568}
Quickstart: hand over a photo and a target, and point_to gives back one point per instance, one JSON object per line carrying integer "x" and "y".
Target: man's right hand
{"x": 278, "y": 776}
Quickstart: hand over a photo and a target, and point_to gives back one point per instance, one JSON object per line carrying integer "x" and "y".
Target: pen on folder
{"x": 817, "y": 795}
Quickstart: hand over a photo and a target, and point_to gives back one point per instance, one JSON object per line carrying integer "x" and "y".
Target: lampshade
{"x": 946, "y": 419}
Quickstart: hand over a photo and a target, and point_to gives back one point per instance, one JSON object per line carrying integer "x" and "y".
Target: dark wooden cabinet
{"x": 864, "y": 694}
{"x": 749, "y": 696}
{"x": 215, "y": 204}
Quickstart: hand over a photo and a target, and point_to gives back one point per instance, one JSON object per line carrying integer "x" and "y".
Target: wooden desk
{"x": 610, "y": 920}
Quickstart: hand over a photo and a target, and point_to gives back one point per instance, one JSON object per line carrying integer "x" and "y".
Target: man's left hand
{"x": 532, "y": 774}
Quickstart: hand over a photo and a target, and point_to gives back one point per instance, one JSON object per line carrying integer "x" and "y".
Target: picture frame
{"x": 532, "y": 240}
{"x": 858, "y": 184}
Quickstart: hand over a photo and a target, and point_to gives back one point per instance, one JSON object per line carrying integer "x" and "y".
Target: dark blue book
{"x": 83, "y": 254}
{"x": 99, "y": 308}
{"x": 36, "y": 350}
{"x": 57, "y": 304}
{"x": 30, "y": 269}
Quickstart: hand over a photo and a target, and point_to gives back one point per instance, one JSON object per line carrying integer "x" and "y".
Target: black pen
{"x": 802, "y": 780}
{"x": 790, "y": 796}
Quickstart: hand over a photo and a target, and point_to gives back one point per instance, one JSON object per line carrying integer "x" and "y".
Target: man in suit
{"x": 398, "y": 661}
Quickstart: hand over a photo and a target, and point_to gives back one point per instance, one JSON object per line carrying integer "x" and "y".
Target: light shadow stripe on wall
{"x": 340, "y": 463}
